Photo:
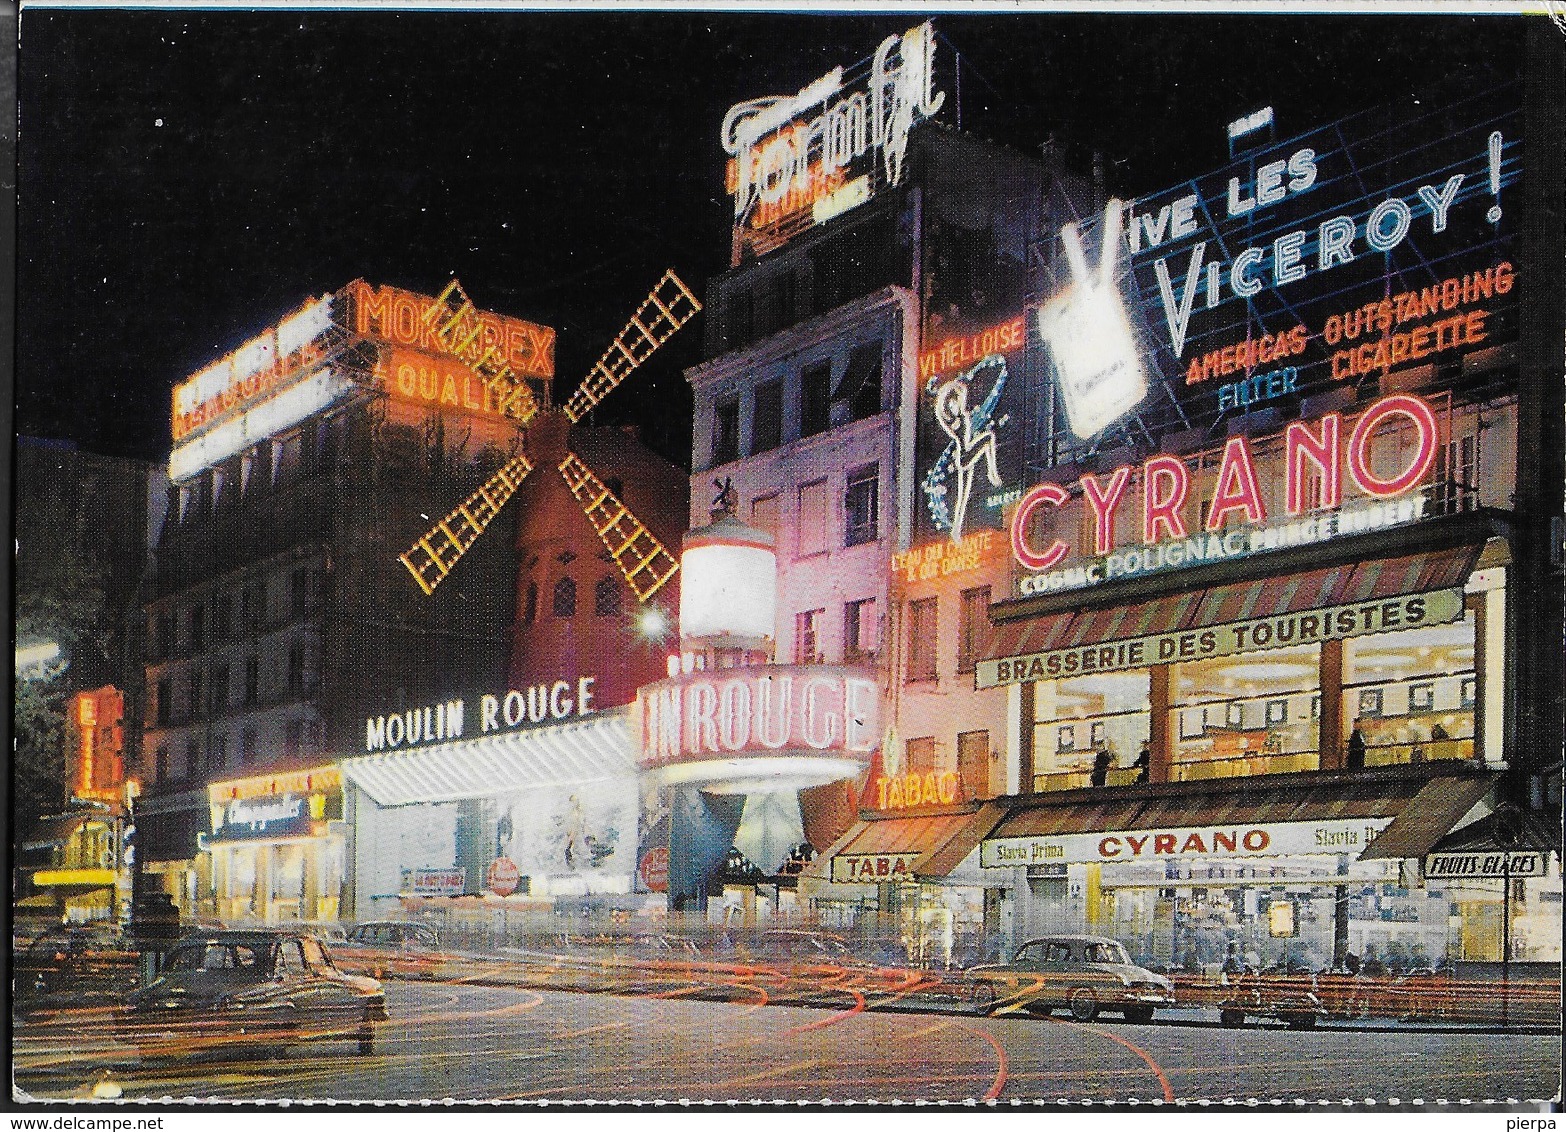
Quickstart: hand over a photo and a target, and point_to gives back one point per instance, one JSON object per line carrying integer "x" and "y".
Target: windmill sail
{"x": 640, "y": 557}
{"x": 454, "y": 321}
{"x": 668, "y": 307}
{"x": 431, "y": 558}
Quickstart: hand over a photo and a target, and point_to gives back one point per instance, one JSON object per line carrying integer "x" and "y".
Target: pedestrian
{"x": 1233, "y": 961}
{"x": 1356, "y": 750}
{"x": 1101, "y": 765}
{"x": 1144, "y": 762}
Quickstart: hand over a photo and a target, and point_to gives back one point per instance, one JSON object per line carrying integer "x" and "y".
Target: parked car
{"x": 1081, "y": 973}
{"x": 385, "y": 949}
{"x": 265, "y": 988}
{"x": 70, "y": 967}
{"x": 1293, "y": 999}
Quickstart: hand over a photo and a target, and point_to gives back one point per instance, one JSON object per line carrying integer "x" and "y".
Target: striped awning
{"x": 594, "y": 749}
{"x": 1373, "y": 580}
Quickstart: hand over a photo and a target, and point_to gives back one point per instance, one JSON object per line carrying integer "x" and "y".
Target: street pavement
{"x": 474, "y": 1042}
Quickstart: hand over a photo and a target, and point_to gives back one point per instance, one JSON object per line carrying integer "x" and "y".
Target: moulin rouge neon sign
{"x": 1314, "y": 457}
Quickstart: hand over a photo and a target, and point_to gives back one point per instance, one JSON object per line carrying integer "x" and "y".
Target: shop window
{"x": 764, "y": 514}
{"x": 815, "y": 398}
{"x": 807, "y": 636}
{"x": 973, "y": 763}
{"x": 1252, "y": 713}
{"x": 565, "y": 598}
{"x": 973, "y": 629}
{"x": 812, "y": 518}
{"x": 767, "y": 425}
{"x": 1079, "y": 720}
{"x": 1410, "y": 693}
{"x": 919, "y": 755}
{"x": 859, "y": 629}
{"x": 922, "y": 616}
{"x": 861, "y": 506}
{"x": 725, "y": 431}
{"x": 606, "y": 597}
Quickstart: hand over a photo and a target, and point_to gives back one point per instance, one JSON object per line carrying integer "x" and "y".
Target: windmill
{"x": 454, "y": 323}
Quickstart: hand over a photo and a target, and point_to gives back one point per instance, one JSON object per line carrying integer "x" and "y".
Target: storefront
{"x": 909, "y": 885}
{"x": 532, "y": 820}
{"x": 1298, "y": 870}
{"x": 277, "y": 847}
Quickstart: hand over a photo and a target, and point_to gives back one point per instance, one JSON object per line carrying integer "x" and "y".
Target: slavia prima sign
{"x": 1283, "y": 839}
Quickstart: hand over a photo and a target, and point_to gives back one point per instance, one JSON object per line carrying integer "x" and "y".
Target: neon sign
{"x": 396, "y": 316}
{"x": 439, "y": 382}
{"x": 1313, "y": 459}
{"x": 446, "y": 722}
{"x": 791, "y": 154}
{"x": 906, "y": 791}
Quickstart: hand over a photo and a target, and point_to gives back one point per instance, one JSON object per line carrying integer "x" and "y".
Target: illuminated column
{"x": 728, "y": 594}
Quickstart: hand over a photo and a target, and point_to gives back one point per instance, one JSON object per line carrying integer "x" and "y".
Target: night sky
{"x": 187, "y": 178}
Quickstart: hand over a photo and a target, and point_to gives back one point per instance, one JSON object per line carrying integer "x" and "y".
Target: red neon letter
{"x": 1025, "y": 554}
{"x": 1104, "y": 501}
{"x": 1236, "y": 488}
{"x": 1162, "y": 509}
{"x": 1400, "y": 404}
{"x": 1321, "y": 449}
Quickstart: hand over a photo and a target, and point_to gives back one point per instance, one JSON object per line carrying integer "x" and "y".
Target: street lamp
{"x": 36, "y": 657}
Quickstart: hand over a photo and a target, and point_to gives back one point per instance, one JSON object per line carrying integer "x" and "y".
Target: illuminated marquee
{"x": 445, "y": 722}
{"x": 803, "y": 159}
{"x": 731, "y": 717}
{"x": 1314, "y": 454}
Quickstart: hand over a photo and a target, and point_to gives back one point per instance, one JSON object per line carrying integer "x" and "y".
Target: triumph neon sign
{"x": 1314, "y": 455}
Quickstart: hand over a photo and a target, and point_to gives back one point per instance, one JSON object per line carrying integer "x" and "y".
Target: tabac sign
{"x": 874, "y": 868}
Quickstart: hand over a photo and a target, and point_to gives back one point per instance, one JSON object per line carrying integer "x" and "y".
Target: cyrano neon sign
{"x": 1313, "y": 459}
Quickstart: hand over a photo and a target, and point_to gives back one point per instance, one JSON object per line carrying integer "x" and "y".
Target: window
{"x": 921, "y": 638}
{"x": 252, "y": 680}
{"x": 248, "y": 746}
{"x": 974, "y": 628}
{"x": 764, "y": 514}
{"x": 725, "y": 432}
{"x": 815, "y": 398}
{"x": 919, "y": 755}
{"x": 861, "y": 507}
{"x": 192, "y": 758}
{"x": 859, "y": 631}
{"x": 861, "y": 384}
{"x": 299, "y": 591}
{"x": 812, "y": 518}
{"x": 530, "y": 603}
{"x": 767, "y": 426}
{"x": 973, "y": 763}
{"x": 161, "y": 764}
{"x": 807, "y": 636}
{"x": 565, "y": 598}
{"x": 197, "y": 628}
{"x": 606, "y": 597}
{"x": 223, "y": 617}
{"x": 296, "y": 667}
{"x": 196, "y": 704}
{"x": 218, "y": 702}
{"x": 217, "y": 753}
{"x": 165, "y": 699}
{"x": 293, "y": 737}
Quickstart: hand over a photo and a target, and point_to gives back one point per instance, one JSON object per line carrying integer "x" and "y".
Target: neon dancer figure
{"x": 972, "y": 435}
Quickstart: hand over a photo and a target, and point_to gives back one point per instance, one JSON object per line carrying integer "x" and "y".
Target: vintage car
{"x": 75, "y": 966}
{"x": 1081, "y": 973}
{"x": 1291, "y": 999}
{"x": 257, "y": 988}
{"x": 391, "y": 949}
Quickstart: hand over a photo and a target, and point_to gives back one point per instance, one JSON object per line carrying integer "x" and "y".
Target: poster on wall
{"x": 1372, "y": 251}
{"x": 575, "y": 830}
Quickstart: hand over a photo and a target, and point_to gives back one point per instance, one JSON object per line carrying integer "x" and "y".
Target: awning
{"x": 1527, "y": 831}
{"x": 55, "y": 831}
{"x": 75, "y": 878}
{"x": 1427, "y": 819}
{"x": 589, "y": 750}
{"x": 1411, "y": 801}
{"x": 1276, "y": 596}
{"x": 903, "y": 848}
{"x": 170, "y": 835}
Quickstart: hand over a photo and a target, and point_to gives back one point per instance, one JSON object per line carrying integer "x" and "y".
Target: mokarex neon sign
{"x": 1315, "y": 456}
